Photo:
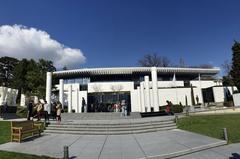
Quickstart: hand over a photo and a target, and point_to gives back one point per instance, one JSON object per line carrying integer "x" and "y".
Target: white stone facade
{"x": 149, "y": 93}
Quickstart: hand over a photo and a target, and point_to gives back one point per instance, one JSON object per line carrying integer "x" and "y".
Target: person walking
{"x": 54, "y": 111}
{"x": 30, "y": 109}
{"x": 84, "y": 107}
{"x": 39, "y": 108}
{"x": 168, "y": 108}
{"x": 59, "y": 111}
{"x": 197, "y": 99}
{"x": 46, "y": 109}
{"x": 123, "y": 108}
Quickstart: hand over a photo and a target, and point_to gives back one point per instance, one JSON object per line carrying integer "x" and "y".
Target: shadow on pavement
{"x": 235, "y": 156}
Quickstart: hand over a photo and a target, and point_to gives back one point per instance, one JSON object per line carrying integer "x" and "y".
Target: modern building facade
{"x": 142, "y": 89}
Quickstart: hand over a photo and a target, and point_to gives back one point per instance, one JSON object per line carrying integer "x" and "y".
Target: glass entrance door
{"x": 107, "y": 102}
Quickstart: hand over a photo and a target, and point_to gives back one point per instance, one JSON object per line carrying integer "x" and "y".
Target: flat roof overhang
{"x": 88, "y": 72}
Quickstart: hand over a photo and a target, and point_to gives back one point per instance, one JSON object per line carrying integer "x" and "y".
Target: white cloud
{"x": 22, "y": 42}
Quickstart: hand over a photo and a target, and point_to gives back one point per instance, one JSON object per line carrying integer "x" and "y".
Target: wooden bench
{"x": 21, "y": 130}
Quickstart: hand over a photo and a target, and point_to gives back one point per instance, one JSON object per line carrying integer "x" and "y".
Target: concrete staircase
{"x": 112, "y": 127}
{"x": 99, "y": 116}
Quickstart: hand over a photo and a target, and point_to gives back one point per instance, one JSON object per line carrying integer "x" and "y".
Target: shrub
{"x": 10, "y": 109}
{"x": 21, "y": 112}
{"x": 65, "y": 110}
{"x": 228, "y": 104}
{"x": 175, "y": 108}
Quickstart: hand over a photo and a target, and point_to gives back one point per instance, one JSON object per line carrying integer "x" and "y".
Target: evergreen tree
{"x": 235, "y": 72}
{"x": 7, "y": 65}
{"x": 28, "y": 76}
{"x": 227, "y": 78}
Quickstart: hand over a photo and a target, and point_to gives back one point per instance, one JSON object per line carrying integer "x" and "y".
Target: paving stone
{"x": 117, "y": 146}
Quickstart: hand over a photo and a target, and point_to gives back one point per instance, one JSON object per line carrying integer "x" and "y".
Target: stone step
{"x": 110, "y": 128}
{"x": 110, "y": 125}
{"x": 127, "y": 126}
{"x": 110, "y": 132}
{"x": 99, "y": 116}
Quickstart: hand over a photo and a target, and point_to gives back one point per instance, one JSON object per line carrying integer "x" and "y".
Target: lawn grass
{"x": 212, "y": 125}
{"x": 14, "y": 155}
{"x": 5, "y": 131}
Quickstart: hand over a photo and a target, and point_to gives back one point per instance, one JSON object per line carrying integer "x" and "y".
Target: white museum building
{"x": 143, "y": 89}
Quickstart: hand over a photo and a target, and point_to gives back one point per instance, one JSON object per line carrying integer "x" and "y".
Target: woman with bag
{"x": 39, "y": 108}
{"x": 59, "y": 111}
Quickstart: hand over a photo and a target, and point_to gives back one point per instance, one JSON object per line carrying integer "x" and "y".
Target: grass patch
{"x": 14, "y": 155}
{"x": 5, "y": 131}
{"x": 212, "y": 125}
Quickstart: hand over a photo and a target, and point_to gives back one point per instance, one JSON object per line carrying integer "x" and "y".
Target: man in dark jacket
{"x": 83, "y": 105}
{"x": 29, "y": 108}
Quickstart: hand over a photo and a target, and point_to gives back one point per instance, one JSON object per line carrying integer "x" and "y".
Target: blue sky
{"x": 118, "y": 33}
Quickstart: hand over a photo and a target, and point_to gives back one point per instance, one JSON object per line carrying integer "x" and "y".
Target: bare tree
{"x": 150, "y": 60}
{"x": 117, "y": 89}
{"x": 227, "y": 78}
{"x": 227, "y": 66}
{"x": 181, "y": 63}
{"x": 205, "y": 66}
{"x": 98, "y": 89}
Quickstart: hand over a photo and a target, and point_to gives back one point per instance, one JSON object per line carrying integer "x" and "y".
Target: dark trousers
{"x": 46, "y": 117}
{"x": 38, "y": 116}
{"x": 29, "y": 115}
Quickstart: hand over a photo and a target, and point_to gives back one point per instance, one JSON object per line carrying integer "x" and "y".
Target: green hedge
{"x": 177, "y": 108}
{"x": 10, "y": 109}
{"x": 174, "y": 108}
{"x": 21, "y": 112}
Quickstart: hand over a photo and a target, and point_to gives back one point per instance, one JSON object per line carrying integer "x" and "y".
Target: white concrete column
{"x": 77, "y": 99}
{"x": 155, "y": 88}
{"x": 142, "y": 96}
{"x": 175, "y": 86}
{"x": 147, "y": 93}
{"x": 200, "y": 89}
{"x": 49, "y": 88}
{"x": 70, "y": 99}
{"x": 61, "y": 91}
{"x": 139, "y": 99}
{"x": 174, "y": 80}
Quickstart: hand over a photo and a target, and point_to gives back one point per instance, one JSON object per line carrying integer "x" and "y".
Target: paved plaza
{"x": 160, "y": 144}
{"x": 231, "y": 151}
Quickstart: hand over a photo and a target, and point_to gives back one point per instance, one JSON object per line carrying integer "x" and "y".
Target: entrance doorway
{"x": 108, "y": 101}
{"x": 208, "y": 96}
